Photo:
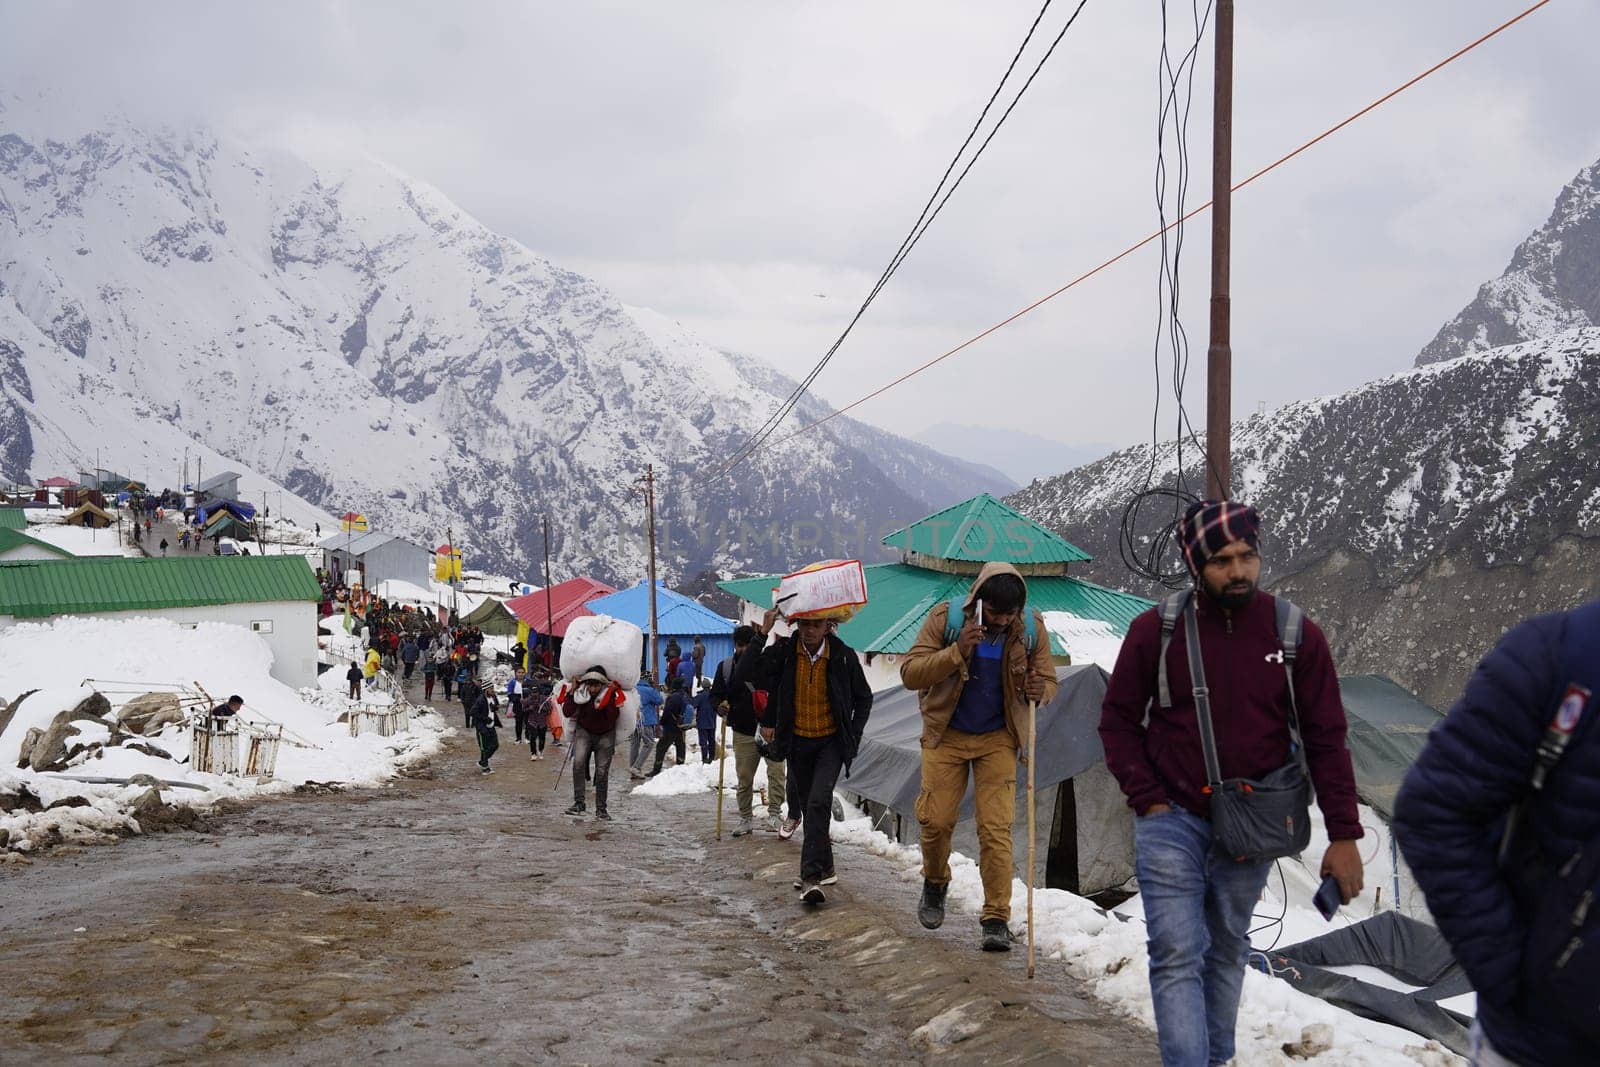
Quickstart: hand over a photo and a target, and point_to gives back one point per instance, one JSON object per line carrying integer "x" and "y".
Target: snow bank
{"x": 687, "y": 779}
{"x": 65, "y": 658}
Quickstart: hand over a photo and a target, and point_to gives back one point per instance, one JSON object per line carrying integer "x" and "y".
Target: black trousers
{"x": 535, "y": 739}
{"x": 814, "y": 766}
{"x": 670, "y": 739}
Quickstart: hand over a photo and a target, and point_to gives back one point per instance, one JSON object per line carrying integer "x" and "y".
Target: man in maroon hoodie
{"x": 1198, "y": 901}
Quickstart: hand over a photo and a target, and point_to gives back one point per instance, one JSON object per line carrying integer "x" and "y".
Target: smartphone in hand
{"x": 1328, "y": 897}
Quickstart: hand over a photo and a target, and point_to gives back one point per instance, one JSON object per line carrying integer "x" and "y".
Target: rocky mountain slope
{"x": 348, "y": 333}
{"x": 1552, "y": 284}
{"x": 1415, "y": 517}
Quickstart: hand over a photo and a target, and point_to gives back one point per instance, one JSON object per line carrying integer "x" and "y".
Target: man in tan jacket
{"x": 976, "y": 664}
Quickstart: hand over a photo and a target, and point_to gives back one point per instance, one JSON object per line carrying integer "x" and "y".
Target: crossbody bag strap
{"x": 1202, "y": 698}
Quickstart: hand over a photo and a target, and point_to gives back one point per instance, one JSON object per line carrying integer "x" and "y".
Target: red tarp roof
{"x": 57, "y": 483}
{"x": 567, "y": 601}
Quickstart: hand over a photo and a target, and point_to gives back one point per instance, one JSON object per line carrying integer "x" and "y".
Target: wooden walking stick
{"x": 722, "y": 769}
{"x": 1033, "y": 751}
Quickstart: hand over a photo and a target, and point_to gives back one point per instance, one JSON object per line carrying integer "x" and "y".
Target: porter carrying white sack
{"x": 614, "y": 645}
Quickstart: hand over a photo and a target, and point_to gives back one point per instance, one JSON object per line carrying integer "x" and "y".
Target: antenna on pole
{"x": 1219, "y": 355}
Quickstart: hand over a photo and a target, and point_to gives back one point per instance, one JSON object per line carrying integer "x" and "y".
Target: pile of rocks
{"x": 53, "y": 748}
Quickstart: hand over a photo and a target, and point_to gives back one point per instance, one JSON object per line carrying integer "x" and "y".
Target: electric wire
{"x": 930, "y": 212}
{"x": 1136, "y": 246}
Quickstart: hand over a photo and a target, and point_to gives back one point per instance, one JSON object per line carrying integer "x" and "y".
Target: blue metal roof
{"x": 676, "y": 614}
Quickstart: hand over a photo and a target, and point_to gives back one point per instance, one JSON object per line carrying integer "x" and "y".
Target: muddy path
{"x": 457, "y": 919}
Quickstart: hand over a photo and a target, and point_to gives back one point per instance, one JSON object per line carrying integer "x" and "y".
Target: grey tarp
{"x": 1388, "y": 727}
{"x": 1411, "y": 951}
{"x": 1083, "y": 822}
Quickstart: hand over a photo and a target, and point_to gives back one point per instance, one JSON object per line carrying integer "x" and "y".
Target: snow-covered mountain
{"x": 350, "y": 334}
{"x": 1415, "y": 517}
{"x": 1552, "y": 284}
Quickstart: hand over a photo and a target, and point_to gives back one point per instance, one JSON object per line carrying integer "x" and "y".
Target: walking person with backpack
{"x": 977, "y": 663}
{"x": 643, "y": 741}
{"x": 1499, "y": 821}
{"x": 483, "y": 716}
{"x": 705, "y": 720}
{"x": 1244, "y": 714}
{"x": 821, "y": 703}
{"x": 409, "y": 654}
{"x": 737, "y": 702}
{"x": 516, "y": 691}
{"x": 670, "y": 729}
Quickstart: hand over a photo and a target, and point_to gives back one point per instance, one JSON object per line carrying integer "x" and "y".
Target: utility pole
{"x": 549, "y": 612}
{"x": 650, "y": 507}
{"x": 1219, "y": 355}
{"x": 450, "y": 572}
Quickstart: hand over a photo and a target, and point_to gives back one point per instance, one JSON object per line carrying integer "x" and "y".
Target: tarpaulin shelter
{"x": 224, "y": 523}
{"x": 245, "y": 513}
{"x": 677, "y": 616}
{"x": 1387, "y": 729}
{"x": 1085, "y": 826}
{"x": 1411, "y": 953}
{"x": 88, "y": 514}
{"x": 493, "y": 618}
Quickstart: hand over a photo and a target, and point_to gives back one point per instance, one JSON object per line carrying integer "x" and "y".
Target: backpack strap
{"x": 1171, "y": 608}
{"x": 956, "y": 613}
{"x": 1291, "y": 625}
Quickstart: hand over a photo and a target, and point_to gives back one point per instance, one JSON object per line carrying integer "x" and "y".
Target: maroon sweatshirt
{"x": 1162, "y": 763}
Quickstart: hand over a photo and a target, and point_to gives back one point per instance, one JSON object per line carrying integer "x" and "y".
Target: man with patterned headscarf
{"x": 1198, "y": 900}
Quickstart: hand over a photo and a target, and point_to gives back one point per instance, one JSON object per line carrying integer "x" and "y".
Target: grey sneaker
{"x": 771, "y": 825}
{"x": 788, "y": 828}
{"x": 744, "y": 829}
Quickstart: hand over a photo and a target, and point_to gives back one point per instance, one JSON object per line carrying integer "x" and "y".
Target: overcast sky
{"x": 750, "y": 167}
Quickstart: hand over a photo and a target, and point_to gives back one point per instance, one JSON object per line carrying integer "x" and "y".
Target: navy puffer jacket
{"x": 1452, "y": 808}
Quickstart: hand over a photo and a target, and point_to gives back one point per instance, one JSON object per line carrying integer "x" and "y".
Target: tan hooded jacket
{"x": 937, "y": 670}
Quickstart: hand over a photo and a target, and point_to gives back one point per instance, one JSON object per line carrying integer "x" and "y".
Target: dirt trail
{"x": 462, "y": 919}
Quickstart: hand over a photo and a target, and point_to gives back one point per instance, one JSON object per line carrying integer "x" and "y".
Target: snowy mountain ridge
{"x": 1552, "y": 283}
{"x": 349, "y": 333}
{"x": 1440, "y": 488}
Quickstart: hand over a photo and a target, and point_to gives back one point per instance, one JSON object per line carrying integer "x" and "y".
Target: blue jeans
{"x": 1197, "y": 908}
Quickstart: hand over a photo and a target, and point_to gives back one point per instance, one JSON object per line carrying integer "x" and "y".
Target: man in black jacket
{"x": 822, "y": 700}
{"x": 733, "y": 701}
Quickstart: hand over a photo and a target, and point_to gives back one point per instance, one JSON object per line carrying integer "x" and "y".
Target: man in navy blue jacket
{"x": 1477, "y": 767}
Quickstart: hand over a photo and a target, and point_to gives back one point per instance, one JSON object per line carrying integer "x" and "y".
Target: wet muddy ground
{"x": 458, "y": 919}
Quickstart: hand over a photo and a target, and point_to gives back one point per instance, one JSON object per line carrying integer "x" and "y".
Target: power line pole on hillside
{"x": 549, "y": 612}
{"x": 1219, "y": 355}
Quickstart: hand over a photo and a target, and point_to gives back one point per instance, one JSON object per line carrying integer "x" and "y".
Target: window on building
{"x": 262, "y": 626}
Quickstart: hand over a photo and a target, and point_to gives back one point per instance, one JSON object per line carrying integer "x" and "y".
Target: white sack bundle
{"x": 614, "y": 645}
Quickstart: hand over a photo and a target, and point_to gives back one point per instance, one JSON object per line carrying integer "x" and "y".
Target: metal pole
{"x": 1219, "y": 356}
{"x": 549, "y": 612}
{"x": 1033, "y": 753}
{"x": 650, "y": 506}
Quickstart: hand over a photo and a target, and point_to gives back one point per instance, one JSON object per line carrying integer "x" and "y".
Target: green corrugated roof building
{"x": 13, "y": 519}
{"x": 97, "y": 584}
{"x": 940, "y": 556}
{"x": 11, "y": 539}
{"x": 985, "y": 530}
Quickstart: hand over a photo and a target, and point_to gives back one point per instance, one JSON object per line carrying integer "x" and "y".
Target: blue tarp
{"x": 241, "y": 511}
{"x": 676, "y": 616}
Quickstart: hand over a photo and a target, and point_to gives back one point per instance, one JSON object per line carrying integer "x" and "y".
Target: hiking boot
{"x": 788, "y": 828}
{"x": 602, "y": 814}
{"x": 996, "y": 935}
{"x": 744, "y": 829}
{"x": 771, "y": 825}
{"x": 578, "y": 808}
{"x": 930, "y": 910}
{"x": 813, "y": 894}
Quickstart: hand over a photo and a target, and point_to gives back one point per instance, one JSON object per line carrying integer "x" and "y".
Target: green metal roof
{"x": 985, "y": 530}
{"x": 13, "y": 519}
{"x": 10, "y": 538}
{"x": 899, "y": 597}
{"x": 96, "y": 584}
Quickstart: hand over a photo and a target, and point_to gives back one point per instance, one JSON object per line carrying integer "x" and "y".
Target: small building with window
{"x": 273, "y": 596}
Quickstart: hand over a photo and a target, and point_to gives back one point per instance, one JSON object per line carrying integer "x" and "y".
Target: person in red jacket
{"x": 593, "y": 704}
{"x": 1198, "y": 901}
